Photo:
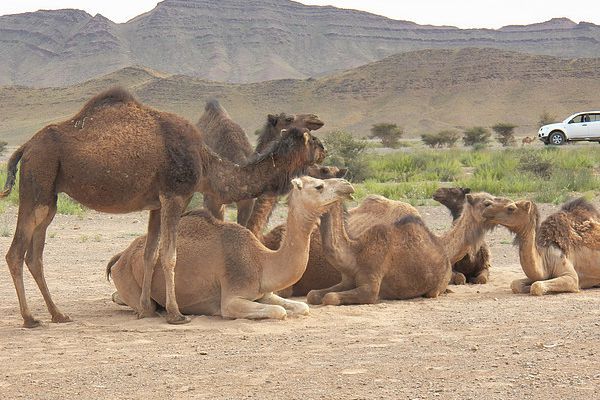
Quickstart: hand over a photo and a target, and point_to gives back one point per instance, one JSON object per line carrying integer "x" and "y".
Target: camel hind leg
{"x": 315, "y": 296}
{"x": 145, "y": 306}
{"x": 34, "y": 259}
{"x": 366, "y": 292}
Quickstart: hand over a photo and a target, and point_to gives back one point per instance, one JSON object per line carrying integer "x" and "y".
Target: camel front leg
{"x": 238, "y": 307}
{"x": 292, "y": 307}
{"x": 171, "y": 209}
{"x": 216, "y": 209}
{"x": 482, "y": 278}
{"x": 458, "y": 278}
{"x": 316, "y": 296}
{"x": 521, "y": 286}
{"x": 366, "y": 292}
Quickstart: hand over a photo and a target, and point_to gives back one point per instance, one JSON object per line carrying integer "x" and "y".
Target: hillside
{"x": 423, "y": 91}
{"x": 246, "y": 41}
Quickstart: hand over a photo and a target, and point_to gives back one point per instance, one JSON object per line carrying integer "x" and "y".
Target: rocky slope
{"x": 423, "y": 91}
{"x": 245, "y": 41}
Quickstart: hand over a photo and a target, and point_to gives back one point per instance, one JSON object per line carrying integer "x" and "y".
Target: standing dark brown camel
{"x": 228, "y": 139}
{"x": 117, "y": 156}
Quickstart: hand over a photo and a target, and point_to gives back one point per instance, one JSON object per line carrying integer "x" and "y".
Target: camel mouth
{"x": 315, "y": 125}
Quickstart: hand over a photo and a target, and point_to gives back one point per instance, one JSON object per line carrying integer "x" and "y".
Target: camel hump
{"x": 110, "y": 97}
{"x": 578, "y": 205}
{"x": 213, "y": 106}
{"x": 409, "y": 219}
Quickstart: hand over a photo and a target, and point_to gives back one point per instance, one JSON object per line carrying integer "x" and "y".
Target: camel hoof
{"x": 278, "y": 312}
{"x": 479, "y": 280}
{"x": 537, "y": 289}
{"x": 331, "y": 299}
{"x": 178, "y": 319}
{"x": 298, "y": 309}
{"x": 458, "y": 279}
{"x": 31, "y": 323}
{"x": 61, "y": 318}
{"x": 313, "y": 297}
{"x": 117, "y": 299}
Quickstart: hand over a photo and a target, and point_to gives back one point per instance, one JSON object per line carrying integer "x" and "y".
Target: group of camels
{"x": 118, "y": 155}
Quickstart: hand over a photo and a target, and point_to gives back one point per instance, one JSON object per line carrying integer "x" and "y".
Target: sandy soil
{"x": 480, "y": 342}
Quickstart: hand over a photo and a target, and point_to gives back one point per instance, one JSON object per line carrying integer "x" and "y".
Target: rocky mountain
{"x": 423, "y": 91}
{"x": 246, "y": 41}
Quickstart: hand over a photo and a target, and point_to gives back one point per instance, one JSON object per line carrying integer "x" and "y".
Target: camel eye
{"x": 511, "y": 209}
{"x": 319, "y": 187}
{"x": 487, "y": 203}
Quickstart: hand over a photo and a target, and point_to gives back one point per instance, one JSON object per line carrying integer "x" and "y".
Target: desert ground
{"x": 479, "y": 342}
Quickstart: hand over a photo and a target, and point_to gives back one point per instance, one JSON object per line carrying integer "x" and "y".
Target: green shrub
{"x": 389, "y": 134}
{"x": 3, "y": 145}
{"x": 476, "y": 136}
{"x": 446, "y": 138}
{"x": 505, "y": 133}
{"x": 343, "y": 150}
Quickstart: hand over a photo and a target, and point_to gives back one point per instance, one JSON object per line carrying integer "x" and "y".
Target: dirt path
{"x": 481, "y": 342}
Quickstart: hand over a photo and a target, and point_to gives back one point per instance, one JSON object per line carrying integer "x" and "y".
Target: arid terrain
{"x": 479, "y": 342}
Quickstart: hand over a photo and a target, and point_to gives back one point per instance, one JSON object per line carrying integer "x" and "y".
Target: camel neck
{"x": 337, "y": 245}
{"x": 466, "y": 235}
{"x": 285, "y": 266}
{"x": 529, "y": 254}
{"x": 230, "y": 182}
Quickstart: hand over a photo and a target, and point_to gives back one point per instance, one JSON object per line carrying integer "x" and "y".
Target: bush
{"x": 2, "y": 146}
{"x": 536, "y": 163}
{"x": 477, "y": 136}
{"x": 505, "y": 133}
{"x": 446, "y": 138}
{"x": 547, "y": 118}
{"x": 389, "y": 134}
{"x": 344, "y": 151}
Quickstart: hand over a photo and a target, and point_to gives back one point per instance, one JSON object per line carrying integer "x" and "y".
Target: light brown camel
{"x": 222, "y": 269}
{"x": 228, "y": 139}
{"x": 117, "y": 155}
{"x": 471, "y": 268}
{"x": 320, "y": 274}
{"x": 561, "y": 254}
{"x": 400, "y": 260}
{"x": 526, "y": 140}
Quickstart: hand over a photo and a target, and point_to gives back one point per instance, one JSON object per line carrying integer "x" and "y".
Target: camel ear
{"x": 297, "y": 183}
{"x": 272, "y": 119}
{"x": 470, "y": 199}
{"x": 306, "y": 138}
{"x": 466, "y": 190}
{"x": 525, "y": 205}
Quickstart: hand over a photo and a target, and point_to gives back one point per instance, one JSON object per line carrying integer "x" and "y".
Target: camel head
{"x": 476, "y": 205}
{"x": 315, "y": 150}
{"x": 326, "y": 172}
{"x": 513, "y": 215}
{"x": 287, "y": 121}
{"x": 452, "y": 198}
{"x": 316, "y": 195}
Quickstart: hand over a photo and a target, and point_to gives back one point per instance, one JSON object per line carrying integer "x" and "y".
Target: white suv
{"x": 580, "y": 126}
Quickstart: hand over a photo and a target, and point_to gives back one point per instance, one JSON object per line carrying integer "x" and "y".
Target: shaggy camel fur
{"x": 400, "y": 260}
{"x": 117, "y": 155}
{"x": 222, "y": 269}
{"x": 561, "y": 254}
{"x": 228, "y": 139}
{"x": 471, "y": 268}
{"x": 319, "y": 272}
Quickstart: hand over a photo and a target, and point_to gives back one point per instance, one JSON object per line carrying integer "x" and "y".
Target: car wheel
{"x": 557, "y": 138}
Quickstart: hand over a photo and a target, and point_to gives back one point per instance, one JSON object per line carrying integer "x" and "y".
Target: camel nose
{"x": 343, "y": 187}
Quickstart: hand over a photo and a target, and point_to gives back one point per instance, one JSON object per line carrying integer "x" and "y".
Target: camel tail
{"x": 11, "y": 173}
{"x": 110, "y": 264}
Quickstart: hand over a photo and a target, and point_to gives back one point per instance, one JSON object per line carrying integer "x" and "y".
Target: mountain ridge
{"x": 246, "y": 41}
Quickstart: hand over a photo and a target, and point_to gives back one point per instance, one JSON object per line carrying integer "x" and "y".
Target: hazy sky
{"x": 461, "y": 13}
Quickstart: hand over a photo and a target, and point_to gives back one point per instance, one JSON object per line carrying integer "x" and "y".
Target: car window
{"x": 576, "y": 120}
{"x": 594, "y": 117}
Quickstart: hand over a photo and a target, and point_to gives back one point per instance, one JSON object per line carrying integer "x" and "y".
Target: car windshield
{"x": 576, "y": 120}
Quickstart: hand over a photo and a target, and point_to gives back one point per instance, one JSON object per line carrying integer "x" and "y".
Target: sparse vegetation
{"x": 547, "y": 118}
{"x": 389, "y": 134}
{"x": 445, "y": 138}
{"x": 505, "y": 133}
{"x": 3, "y": 145}
{"x": 343, "y": 150}
{"x": 477, "y": 137}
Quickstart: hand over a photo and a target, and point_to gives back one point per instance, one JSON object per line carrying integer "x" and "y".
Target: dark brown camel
{"x": 474, "y": 268}
{"x": 229, "y": 140}
{"x": 117, "y": 155}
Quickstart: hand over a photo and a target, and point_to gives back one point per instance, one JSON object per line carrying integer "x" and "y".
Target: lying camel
{"x": 400, "y": 260}
{"x": 222, "y": 269}
{"x": 225, "y": 137}
{"x": 526, "y": 140}
{"x": 117, "y": 156}
{"x": 561, "y": 254}
{"x": 471, "y": 268}
{"x": 319, "y": 272}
